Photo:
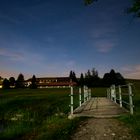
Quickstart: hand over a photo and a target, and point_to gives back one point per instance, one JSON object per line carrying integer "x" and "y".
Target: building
{"x": 1, "y": 81}
{"x": 52, "y": 82}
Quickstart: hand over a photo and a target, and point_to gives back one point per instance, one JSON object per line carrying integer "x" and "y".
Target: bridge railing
{"x": 84, "y": 95}
{"x": 123, "y": 95}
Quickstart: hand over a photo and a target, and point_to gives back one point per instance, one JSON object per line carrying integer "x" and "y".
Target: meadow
{"x": 35, "y": 114}
{"x": 133, "y": 121}
{"x": 43, "y": 113}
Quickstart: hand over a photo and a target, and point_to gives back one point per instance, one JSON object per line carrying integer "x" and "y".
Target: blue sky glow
{"x": 50, "y": 38}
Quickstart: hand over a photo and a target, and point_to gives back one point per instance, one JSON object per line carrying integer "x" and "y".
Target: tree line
{"x": 92, "y": 79}
{"x": 19, "y": 83}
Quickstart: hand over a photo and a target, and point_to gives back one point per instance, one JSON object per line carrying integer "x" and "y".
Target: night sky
{"x": 52, "y": 37}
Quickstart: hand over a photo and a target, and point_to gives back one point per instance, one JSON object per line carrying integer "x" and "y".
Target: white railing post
{"x": 120, "y": 96}
{"x": 80, "y": 99}
{"x": 111, "y": 97}
{"x": 108, "y": 93}
{"x": 84, "y": 93}
{"x": 71, "y": 95}
{"x": 130, "y": 98}
{"x": 89, "y": 93}
{"x": 113, "y": 93}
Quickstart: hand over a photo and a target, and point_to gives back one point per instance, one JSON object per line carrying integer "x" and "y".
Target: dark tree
{"x": 113, "y": 78}
{"x": 73, "y": 76}
{"x": 95, "y": 78}
{"x": 81, "y": 80}
{"x": 106, "y": 81}
{"x": 88, "y": 73}
{"x": 134, "y": 8}
{"x": 88, "y": 2}
{"x": 91, "y": 78}
{"x": 94, "y": 72}
{"x": 120, "y": 79}
{"x": 20, "y": 81}
{"x": 88, "y": 79}
{"x": 12, "y": 82}
{"x": 6, "y": 84}
{"x": 33, "y": 82}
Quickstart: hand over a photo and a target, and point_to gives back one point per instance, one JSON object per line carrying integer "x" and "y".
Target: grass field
{"x": 35, "y": 114}
{"x": 134, "y": 121}
{"x": 42, "y": 113}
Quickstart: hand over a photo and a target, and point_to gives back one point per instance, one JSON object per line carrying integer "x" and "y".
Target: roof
{"x": 53, "y": 78}
{"x": 48, "y": 78}
{"x": 61, "y": 81}
{"x": 57, "y": 84}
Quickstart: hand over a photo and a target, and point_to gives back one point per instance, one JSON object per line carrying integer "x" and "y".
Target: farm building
{"x": 1, "y": 81}
{"x": 50, "y": 82}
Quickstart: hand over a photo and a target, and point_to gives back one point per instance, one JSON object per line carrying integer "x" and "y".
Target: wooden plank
{"x": 101, "y": 108}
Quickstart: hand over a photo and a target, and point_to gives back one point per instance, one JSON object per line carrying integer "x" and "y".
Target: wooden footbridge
{"x": 103, "y": 107}
{"x": 99, "y": 107}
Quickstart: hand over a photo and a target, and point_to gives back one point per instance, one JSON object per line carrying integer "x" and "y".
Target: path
{"x": 102, "y": 125}
{"x": 103, "y": 129}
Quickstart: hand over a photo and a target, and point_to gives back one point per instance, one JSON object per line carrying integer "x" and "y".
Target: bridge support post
{"x": 130, "y": 98}
{"x": 87, "y": 93}
{"x": 120, "y": 96}
{"x": 113, "y": 93}
{"x": 109, "y": 90}
{"x": 71, "y": 100}
{"x": 84, "y": 93}
{"x": 108, "y": 93}
{"x": 80, "y": 99}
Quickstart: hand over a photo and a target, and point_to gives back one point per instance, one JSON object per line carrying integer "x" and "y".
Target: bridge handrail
{"x": 86, "y": 96}
{"x": 112, "y": 94}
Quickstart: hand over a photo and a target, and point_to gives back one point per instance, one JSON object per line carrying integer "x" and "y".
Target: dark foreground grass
{"x": 35, "y": 114}
{"x": 133, "y": 121}
{"x": 43, "y": 113}
{"x": 61, "y": 128}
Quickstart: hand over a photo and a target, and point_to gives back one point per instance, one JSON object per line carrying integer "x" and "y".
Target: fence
{"x": 84, "y": 95}
{"x": 122, "y": 94}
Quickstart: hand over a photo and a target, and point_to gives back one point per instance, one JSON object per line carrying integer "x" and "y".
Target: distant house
{"x": 52, "y": 82}
{"x": 1, "y": 81}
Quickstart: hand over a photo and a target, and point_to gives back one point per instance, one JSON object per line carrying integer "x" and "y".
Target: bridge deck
{"x": 100, "y": 107}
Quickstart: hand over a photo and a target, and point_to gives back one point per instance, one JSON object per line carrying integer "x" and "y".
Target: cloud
{"x": 103, "y": 31}
{"x": 132, "y": 71}
{"x": 12, "y": 54}
{"x": 104, "y": 46}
